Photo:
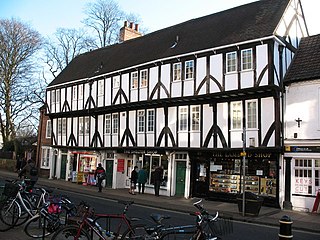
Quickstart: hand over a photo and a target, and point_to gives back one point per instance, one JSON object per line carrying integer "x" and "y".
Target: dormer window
{"x": 231, "y": 62}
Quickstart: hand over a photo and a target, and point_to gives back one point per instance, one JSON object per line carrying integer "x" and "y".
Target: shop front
{"x": 218, "y": 175}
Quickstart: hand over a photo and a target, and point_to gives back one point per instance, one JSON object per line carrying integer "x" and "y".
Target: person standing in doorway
{"x": 158, "y": 178}
{"x": 134, "y": 179}
{"x": 100, "y": 175}
{"x": 142, "y": 179}
{"x": 29, "y": 173}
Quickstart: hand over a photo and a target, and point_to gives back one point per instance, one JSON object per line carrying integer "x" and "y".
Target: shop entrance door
{"x": 180, "y": 177}
{"x": 63, "y": 169}
{"x": 109, "y": 173}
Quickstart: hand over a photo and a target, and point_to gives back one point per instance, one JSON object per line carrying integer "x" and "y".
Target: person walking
{"x": 29, "y": 173}
{"x": 100, "y": 175}
{"x": 142, "y": 179}
{"x": 157, "y": 177}
{"x": 134, "y": 179}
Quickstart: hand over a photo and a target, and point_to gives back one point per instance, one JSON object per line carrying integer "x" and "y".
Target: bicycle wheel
{"x": 41, "y": 226}
{"x": 9, "y": 214}
{"x": 137, "y": 232}
{"x": 24, "y": 216}
{"x": 69, "y": 232}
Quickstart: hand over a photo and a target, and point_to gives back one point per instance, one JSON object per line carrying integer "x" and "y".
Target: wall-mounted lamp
{"x": 299, "y": 122}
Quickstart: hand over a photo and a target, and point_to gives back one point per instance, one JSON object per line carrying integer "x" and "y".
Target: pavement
{"x": 309, "y": 222}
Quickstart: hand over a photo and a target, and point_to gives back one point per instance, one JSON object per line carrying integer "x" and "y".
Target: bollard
{"x": 285, "y": 228}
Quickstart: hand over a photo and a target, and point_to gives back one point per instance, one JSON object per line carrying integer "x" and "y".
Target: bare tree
{"x": 104, "y": 17}
{"x": 18, "y": 45}
{"x": 67, "y": 44}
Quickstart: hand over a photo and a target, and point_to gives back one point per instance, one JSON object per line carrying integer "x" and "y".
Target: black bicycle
{"x": 207, "y": 227}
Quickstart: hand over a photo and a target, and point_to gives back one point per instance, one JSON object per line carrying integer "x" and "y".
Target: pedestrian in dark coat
{"x": 158, "y": 178}
{"x": 26, "y": 173}
{"x": 100, "y": 175}
{"x": 134, "y": 179}
{"x": 142, "y": 179}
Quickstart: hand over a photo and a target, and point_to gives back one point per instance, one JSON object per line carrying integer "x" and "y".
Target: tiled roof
{"x": 306, "y": 63}
{"x": 247, "y": 22}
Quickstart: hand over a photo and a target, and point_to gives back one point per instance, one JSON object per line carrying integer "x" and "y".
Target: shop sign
{"x": 120, "y": 165}
{"x": 302, "y": 185}
{"x": 302, "y": 149}
{"x": 241, "y": 154}
{"x": 136, "y": 151}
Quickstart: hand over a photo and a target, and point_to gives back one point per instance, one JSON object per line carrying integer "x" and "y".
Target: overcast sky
{"x": 46, "y": 16}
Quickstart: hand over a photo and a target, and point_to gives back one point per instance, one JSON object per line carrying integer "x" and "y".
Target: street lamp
{"x": 243, "y": 170}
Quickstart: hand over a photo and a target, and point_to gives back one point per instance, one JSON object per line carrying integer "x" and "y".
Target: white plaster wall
{"x": 302, "y": 101}
{"x": 231, "y": 81}
{"x": 216, "y": 70}
{"x": 222, "y": 120}
{"x": 201, "y": 73}
{"x": 172, "y": 112}
{"x": 262, "y": 61}
{"x": 267, "y": 118}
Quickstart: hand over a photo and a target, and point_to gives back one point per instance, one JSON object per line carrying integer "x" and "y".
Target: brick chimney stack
{"x": 130, "y": 31}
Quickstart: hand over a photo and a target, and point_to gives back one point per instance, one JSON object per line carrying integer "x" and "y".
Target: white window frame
{"x": 74, "y": 93}
{"x": 183, "y": 119}
{"x": 101, "y": 87}
{"x": 246, "y": 59}
{"x": 45, "y": 157}
{"x": 134, "y": 80}
{"x": 116, "y": 81}
{"x": 195, "y": 118}
{"x": 80, "y": 92}
{"x": 64, "y": 126}
{"x": 177, "y": 68}
{"x": 151, "y": 120}
{"x": 108, "y": 123}
{"x": 141, "y": 121}
{"x": 304, "y": 176}
{"x": 143, "y": 78}
{"x": 55, "y": 95}
{"x": 59, "y": 127}
{"x": 189, "y": 70}
{"x": 81, "y": 125}
{"x": 115, "y": 123}
{"x": 48, "y": 129}
{"x": 236, "y": 115}
{"x": 231, "y": 62}
{"x": 86, "y": 125}
{"x": 252, "y": 114}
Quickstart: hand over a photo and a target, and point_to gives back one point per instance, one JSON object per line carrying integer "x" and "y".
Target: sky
{"x": 46, "y": 16}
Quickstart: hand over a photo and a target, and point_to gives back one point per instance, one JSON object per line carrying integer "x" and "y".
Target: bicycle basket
{"x": 11, "y": 189}
{"x": 219, "y": 227}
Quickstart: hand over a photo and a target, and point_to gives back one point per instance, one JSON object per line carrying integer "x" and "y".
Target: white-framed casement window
{"x": 134, "y": 80}
{"x": 246, "y": 59}
{"x": 48, "y": 129}
{"x": 151, "y": 120}
{"x": 74, "y": 93}
{"x": 81, "y": 126}
{"x": 306, "y": 172}
{"x": 101, "y": 87}
{"x": 45, "y": 157}
{"x": 252, "y": 114}
{"x": 64, "y": 126}
{"x": 231, "y": 62}
{"x": 141, "y": 121}
{"x": 115, "y": 123}
{"x": 195, "y": 118}
{"x": 55, "y": 96}
{"x": 177, "y": 72}
{"x": 108, "y": 123}
{"x": 189, "y": 69}
{"x": 236, "y": 115}
{"x": 116, "y": 82}
{"x": 86, "y": 125}
{"x": 80, "y": 92}
{"x": 183, "y": 118}
{"x": 143, "y": 78}
{"x": 59, "y": 127}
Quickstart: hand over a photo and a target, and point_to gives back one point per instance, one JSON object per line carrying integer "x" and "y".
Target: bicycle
{"x": 89, "y": 225}
{"x": 54, "y": 214}
{"x": 207, "y": 227}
